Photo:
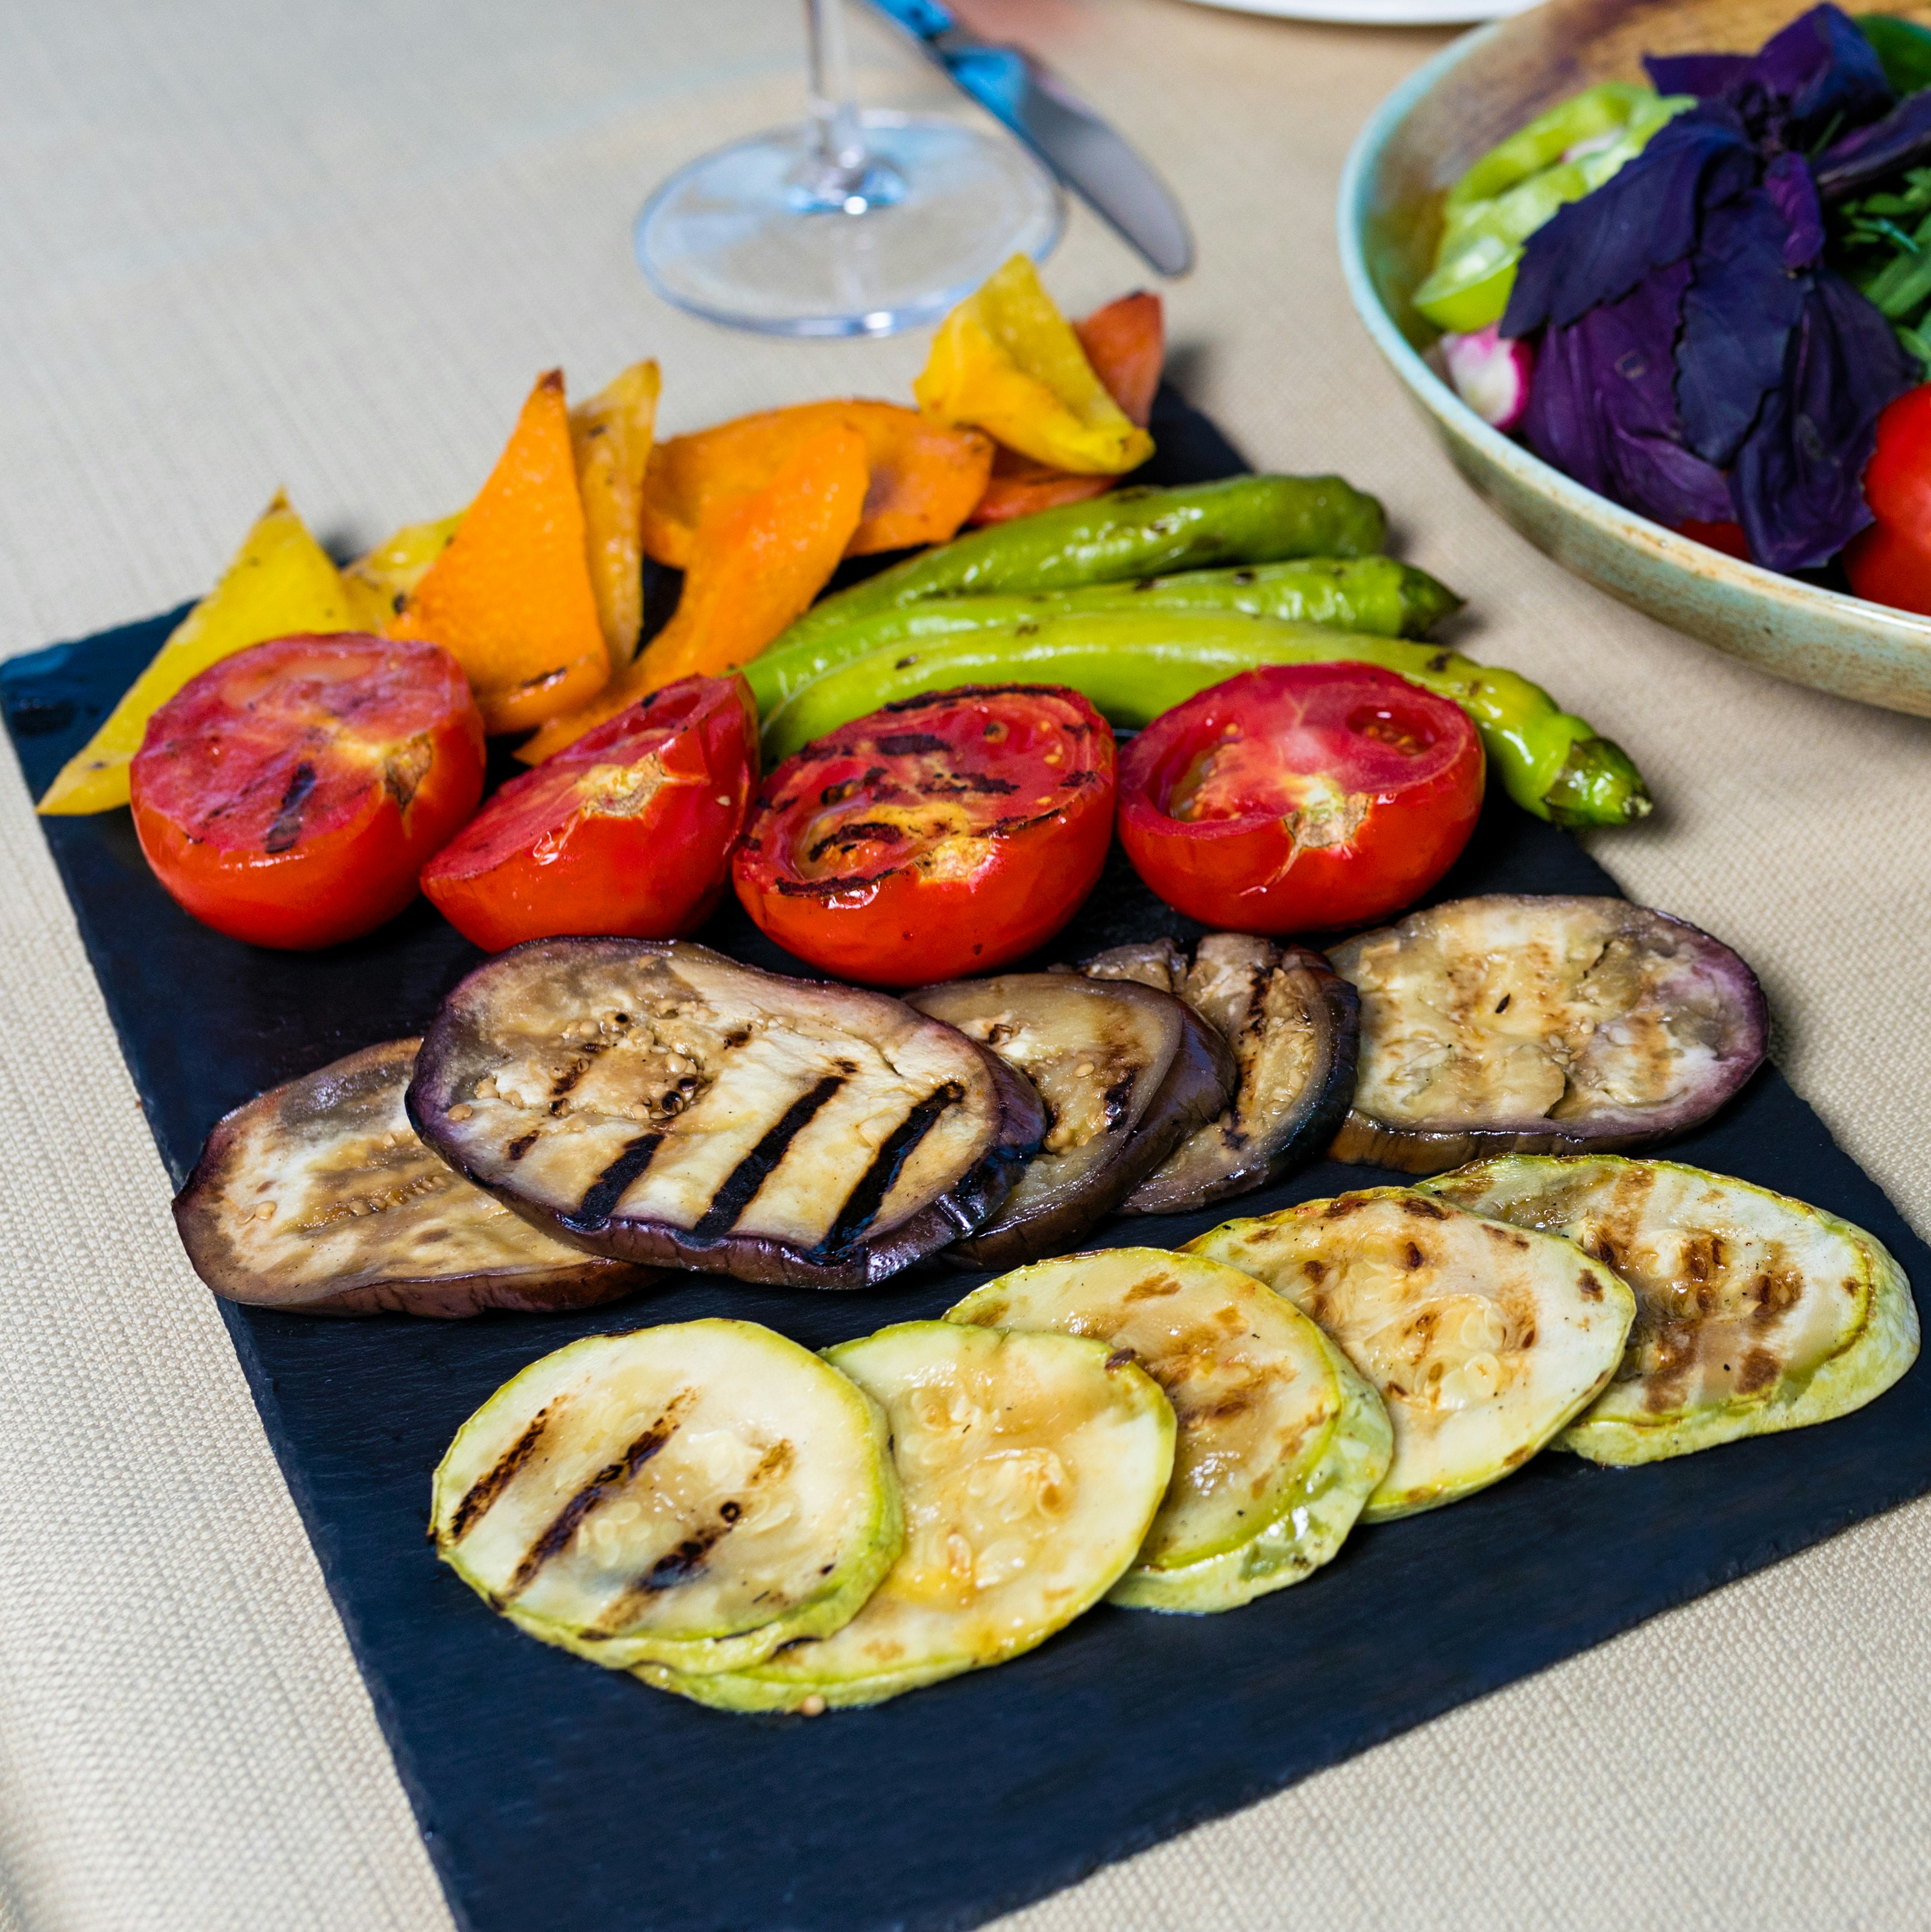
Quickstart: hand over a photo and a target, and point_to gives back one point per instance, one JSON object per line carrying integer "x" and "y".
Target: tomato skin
{"x": 1890, "y": 562}
{"x": 1407, "y": 771}
{"x": 541, "y": 860}
{"x": 920, "y": 903}
{"x": 288, "y": 795}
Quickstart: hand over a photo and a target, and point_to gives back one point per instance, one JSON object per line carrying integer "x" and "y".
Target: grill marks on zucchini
{"x": 1482, "y": 1340}
{"x": 1280, "y": 1440}
{"x": 1754, "y": 1312}
{"x": 699, "y": 1493}
{"x": 318, "y": 1195}
{"x": 1031, "y": 1466}
{"x": 658, "y": 1101}
{"x": 1512, "y": 1024}
{"x": 561, "y": 1530}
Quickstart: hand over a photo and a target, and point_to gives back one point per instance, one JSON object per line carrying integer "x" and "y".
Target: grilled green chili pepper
{"x": 1132, "y": 533}
{"x": 1374, "y": 594}
{"x": 1132, "y": 668}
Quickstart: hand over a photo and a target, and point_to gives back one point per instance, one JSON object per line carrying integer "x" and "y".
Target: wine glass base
{"x": 738, "y": 237}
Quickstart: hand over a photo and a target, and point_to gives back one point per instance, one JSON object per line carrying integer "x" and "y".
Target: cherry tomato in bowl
{"x": 1890, "y": 562}
{"x": 1300, "y": 797}
{"x": 949, "y": 833}
{"x": 628, "y": 831}
{"x": 289, "y": 794}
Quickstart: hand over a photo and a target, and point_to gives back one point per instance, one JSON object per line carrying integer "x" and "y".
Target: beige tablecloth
{"x": 251, "y": 241}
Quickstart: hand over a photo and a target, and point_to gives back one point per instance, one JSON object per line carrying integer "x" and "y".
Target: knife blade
{"x": 1027, "y": 96}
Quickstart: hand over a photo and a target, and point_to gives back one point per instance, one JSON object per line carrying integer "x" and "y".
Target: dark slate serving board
{"x": 553, "y": 1793}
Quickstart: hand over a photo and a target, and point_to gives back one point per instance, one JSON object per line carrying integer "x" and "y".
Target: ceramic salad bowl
{"x": 1420, "y": 140}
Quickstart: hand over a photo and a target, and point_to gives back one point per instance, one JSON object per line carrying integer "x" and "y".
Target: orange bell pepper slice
{"x": 925, "y": 476}
{"x": 1126, "y": 343}
{"x": 759, "y": 559}
{"x": 510, "y": 598}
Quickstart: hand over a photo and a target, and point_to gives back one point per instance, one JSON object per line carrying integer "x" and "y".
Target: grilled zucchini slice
{"x": 1754, "y": 1312}
{"x": 656, "y": 1101}
{"x": 1483, "y": 1340}
{"x": 695, "y": 1494}
{"x": 1280, "y": 1439}
{"x": 1031, "y": 1466}
{"x": 1514, "y": 1024}
{"x": 317, "y": 1198}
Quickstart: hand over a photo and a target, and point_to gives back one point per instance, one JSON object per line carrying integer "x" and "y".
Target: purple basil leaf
{"x": 1741, "y": 305}
{"x": 1825, "y": 72}
{"x": 1798, "y": 482}
{"x": 1709, "y": 77}
{"x": 1901, "y": 140}
{"x": 1602, "y": 406}
{"x": 1787, "y": 182}
{"x": 1817, "y": 73}
{"x": 1645, "y": 216}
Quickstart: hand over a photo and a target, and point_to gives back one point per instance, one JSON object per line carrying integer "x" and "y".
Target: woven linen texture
{"x": 250, "y": 242}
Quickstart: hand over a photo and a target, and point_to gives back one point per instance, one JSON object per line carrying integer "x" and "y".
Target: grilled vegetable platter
{"x": 1179, "y": 1349}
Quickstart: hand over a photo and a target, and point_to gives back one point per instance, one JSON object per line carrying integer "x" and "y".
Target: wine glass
{"x": 857, "y": 223}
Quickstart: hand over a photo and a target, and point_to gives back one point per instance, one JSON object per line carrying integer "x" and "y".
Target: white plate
{"x": 1379, "y": 13}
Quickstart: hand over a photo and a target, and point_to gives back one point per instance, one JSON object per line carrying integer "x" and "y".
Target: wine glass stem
{"x": 840, "y": 144}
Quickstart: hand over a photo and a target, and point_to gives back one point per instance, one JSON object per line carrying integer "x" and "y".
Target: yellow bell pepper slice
{"x": 610, "y": 437}
{"x": 1007, "y": 361}
{"x": 281, "y": 581}
{"x": 380, "y": 582}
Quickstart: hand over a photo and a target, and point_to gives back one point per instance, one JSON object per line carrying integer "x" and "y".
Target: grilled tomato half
{"x": 290, "y": 795}
{"x": 1300, "y": 797}
{"x": 949, "y": 833}
{"x": 629, "y": 830}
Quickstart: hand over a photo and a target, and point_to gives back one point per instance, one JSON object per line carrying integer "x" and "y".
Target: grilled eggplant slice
{"x": 1031, "y": 1466}
{"x": 654, "y": 1101}
{"x": 1483, "y": 1340}
{"x": 1510, "y": 1024}
{"x": 1126, "y": 1073}
{"x": 1754, "y": 1312}
{"x": 1292, "y": 1025}
{"x": 317, "y": 1197}
{"x": 1280, "y": 1439}
{"x": 696, "y": 1494}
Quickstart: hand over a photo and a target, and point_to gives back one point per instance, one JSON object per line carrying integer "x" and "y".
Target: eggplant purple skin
{"x": 1324, "y": 1104}
{"x": 1329, "y": 1099}
{"x": 761, "y": 1259}
{"x": 198, "y": 1220}
{"x": 757, "y": 1258}
{"x": 1365, "y": 1140}
{"x": 1197, "y": 1083}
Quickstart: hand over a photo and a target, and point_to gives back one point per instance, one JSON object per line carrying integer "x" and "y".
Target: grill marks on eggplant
{"x": 1292, "y": 1026}
{"x": 659, "y": 1101}
{"x": 740, "y": 1187}
{"x": 319, "y": 1196}
{"x": 1125, "y": 1072}
{"x": 1513, "y": 1024}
